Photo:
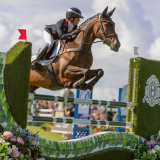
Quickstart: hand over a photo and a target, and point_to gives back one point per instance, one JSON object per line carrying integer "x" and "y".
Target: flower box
{"x": 21, "y": 144}
{"x": 148, "y": 149}
{"x": 47, "y": 130}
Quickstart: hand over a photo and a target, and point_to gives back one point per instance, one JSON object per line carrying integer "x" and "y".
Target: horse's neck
{"x": 87, "y": 36}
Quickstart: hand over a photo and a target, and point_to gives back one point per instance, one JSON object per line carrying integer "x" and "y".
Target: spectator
{"x": 102, "y": 117}
{"x": 93, "y": 114}
{"x": 46, "y": 106}
{"x": 69, "y": 110}
{"x": 97, "y": 115}
{"x": 50, "y": 106}
{"x": 37, "y": 109}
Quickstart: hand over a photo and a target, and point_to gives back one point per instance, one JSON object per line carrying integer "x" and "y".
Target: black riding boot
{"x": 40, "y": 55}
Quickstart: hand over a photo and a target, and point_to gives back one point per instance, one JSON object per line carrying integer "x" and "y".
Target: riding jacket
{"x": 59, "y": 30}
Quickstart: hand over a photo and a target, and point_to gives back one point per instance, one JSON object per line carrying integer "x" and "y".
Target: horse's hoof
{"x": 76, "y": 85}
{"x": 83, "y": 87}
{"x": 68, "y": 85}
{"x": 90, "y": 87}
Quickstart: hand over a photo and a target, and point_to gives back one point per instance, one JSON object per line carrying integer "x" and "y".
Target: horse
{"x": 71, "y": 68}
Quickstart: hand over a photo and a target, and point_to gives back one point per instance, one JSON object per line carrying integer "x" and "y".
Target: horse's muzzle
{"x": 115, "y": 46}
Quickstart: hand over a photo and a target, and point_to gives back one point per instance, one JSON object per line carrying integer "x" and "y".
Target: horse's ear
{"x": 111, "y": 12}
{"x": 103, "y": 14}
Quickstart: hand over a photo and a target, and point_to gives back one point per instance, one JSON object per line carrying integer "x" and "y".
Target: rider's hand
{"x": 76, "y": 32}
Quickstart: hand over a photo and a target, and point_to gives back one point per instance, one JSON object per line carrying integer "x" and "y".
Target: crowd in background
{"x": 46, "y": 105}
{"x": 69, "y": 111}
{"x": 104, "y": 116}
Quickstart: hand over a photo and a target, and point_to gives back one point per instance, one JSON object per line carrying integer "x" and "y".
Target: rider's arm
{"x": 60, "y": 30}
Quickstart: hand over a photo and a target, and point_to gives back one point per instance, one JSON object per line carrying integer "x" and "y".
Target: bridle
{"x": 106, "y": 40}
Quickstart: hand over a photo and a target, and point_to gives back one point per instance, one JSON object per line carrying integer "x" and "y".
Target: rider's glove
{"x": 76, "y": 32}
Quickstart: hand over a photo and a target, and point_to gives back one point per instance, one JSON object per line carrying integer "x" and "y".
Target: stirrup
{"x": 34, "y": 65}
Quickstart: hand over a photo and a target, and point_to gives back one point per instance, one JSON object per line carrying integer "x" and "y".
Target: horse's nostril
{"x": 117, "y": 45}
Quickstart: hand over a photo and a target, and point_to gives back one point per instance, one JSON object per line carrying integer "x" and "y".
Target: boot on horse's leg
{"x": 72, "y": 72}
{"x": 83, "y": 86}
{"x": 69, "y": 85}
{"x": 40, "y": 55}
{"x": 94, "y": 73}
{"x": 99, "y": 74}
{"x": 80, "y": 82}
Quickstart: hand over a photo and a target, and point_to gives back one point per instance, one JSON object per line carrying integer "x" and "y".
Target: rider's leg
{"x": 39, "y": 57}
{"x": 48, "y": 39}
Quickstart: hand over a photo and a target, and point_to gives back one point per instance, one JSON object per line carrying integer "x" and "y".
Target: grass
{"x": 47, "y": 135}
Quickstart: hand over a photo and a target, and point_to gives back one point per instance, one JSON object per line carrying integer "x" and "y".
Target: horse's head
{"x": 105, "y": 30}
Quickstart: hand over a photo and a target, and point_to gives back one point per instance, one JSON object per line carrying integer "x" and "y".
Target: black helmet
{"x": 73, "y": 13}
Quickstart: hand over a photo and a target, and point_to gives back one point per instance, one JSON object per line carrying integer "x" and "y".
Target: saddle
{"x": 50, "y": 50}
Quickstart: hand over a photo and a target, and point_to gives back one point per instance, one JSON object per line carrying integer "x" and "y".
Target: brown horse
{"x": 71, "y": 68}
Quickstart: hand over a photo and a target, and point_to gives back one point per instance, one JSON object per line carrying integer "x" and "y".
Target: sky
{"x": 137, "y": 25}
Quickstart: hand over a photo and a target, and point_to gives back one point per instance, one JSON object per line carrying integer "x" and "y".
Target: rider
{"x": 62, "y": 30}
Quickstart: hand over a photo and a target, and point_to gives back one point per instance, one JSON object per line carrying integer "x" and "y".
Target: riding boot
{"x": 50, "y": 49}
{"x": 40, "y": 56}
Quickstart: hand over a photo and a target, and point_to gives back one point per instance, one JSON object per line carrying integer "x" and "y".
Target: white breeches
{"x": 48, "y": 38}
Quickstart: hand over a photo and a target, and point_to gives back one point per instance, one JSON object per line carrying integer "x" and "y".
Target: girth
{"x": 73, "y": 50}
{"x": 55, "y": 85}
{"x": 77, "y": 50}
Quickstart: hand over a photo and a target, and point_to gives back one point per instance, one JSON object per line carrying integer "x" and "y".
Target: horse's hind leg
{"x": 32, "y": 89}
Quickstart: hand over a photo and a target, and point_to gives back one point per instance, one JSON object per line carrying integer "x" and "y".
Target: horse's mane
{"x": 81, "y": 25}
{"x": 87, "y": 20}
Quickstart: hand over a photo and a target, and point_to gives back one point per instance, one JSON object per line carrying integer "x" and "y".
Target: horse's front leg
{"x": 76, "y": 75}
{"x": 94, "y": 73}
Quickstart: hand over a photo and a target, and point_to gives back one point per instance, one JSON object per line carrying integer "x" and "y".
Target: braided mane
{"x": 87, "y": 20}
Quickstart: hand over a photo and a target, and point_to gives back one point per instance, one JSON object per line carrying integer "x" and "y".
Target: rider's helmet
{"x": 73, "y": 13}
